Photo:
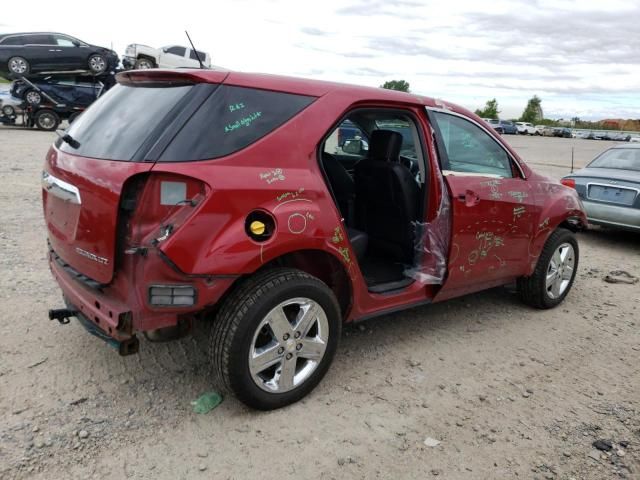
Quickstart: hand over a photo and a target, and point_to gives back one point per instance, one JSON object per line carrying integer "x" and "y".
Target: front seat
{"x": 386, "y": 198}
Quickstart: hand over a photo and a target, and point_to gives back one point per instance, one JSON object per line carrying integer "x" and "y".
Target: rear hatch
{"x": 104, "y": 187}
{"x": 83, "y": 182}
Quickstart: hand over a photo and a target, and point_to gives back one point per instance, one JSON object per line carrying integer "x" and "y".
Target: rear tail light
{"x": 568, "y": 182}
{"x": 166, "y": 202}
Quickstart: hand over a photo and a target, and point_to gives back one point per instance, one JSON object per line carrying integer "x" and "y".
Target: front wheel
{"x": 144, "y": 64}
{"x": 555, "y": 271}
{"x": 275, "y": 337}
{"x": 97, "y": 64}
{"x": 46, "y": 120}
{"x": 33, "y": 97}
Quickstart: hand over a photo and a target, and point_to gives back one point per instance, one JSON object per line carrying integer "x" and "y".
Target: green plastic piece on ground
{"x": 207, "y": 402}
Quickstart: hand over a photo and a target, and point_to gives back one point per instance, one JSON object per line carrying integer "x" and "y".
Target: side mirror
{"x": 76, "y": 43}
{"x": 165, "y": 49}
{"x": 352, "y": 147}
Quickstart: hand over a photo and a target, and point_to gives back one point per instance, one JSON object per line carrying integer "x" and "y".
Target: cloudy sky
{"x": 581, "y": 57}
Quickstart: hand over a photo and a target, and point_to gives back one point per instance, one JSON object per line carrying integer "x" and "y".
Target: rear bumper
{"x": 111, "y": 317}
{"x": 626, "y": 218}
{"x": 121, "y": 309}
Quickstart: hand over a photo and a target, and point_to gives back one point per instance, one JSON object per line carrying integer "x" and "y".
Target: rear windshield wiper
{"x": 66, "y": 138}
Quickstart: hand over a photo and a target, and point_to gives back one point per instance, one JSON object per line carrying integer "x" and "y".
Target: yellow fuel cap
{"x": 257, "y": 227}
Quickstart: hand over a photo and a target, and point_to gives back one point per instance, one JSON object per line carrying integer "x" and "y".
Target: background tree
{"x": 490, "y": 109}
{"x": 533, "y": 111}
{"x": 400, "y": 85}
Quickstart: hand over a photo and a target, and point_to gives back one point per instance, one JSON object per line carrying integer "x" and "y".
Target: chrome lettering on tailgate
{"x": 92, "y": 256}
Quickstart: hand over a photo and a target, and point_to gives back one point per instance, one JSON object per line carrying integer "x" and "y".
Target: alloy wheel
{"x": 18, "y": 65}
{"x": 560, "y": 270}
{"x": 288, "y": 345}
{"x": 46, "y": 121}
{"x": 97, "y": 63}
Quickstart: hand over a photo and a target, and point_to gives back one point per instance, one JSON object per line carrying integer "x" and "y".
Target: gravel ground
{"x": 507, "y": 391}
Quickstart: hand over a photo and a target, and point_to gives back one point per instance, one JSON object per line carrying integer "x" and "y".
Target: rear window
{"x": 231, "y": 119}
{"x": 162, "y": 123}
{"x": 618, "y": 158}
{"x": 15, "y": 40}
{"x": 118, "y": 123}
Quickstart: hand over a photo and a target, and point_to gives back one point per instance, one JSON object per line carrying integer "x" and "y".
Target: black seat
{"x": 341, "y": 183}
{"x": 344, "y": 190}
{"x": 386, "y": 198}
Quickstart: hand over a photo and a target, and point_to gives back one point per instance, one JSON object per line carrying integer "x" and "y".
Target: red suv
{"x": 190, "y": 196}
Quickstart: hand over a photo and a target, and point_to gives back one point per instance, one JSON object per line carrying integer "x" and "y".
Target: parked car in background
{"x": 634, "y": 139}
{"x": 191, "y": 196}
{"x": 620, "y": 137}
{"x": 539, "y": 129}
{"x": 548, "y": 132}
{"x": 525, "y": 128}
{"x": 609, "y": 187}
{"x": 76, "y": 90}
{"x": 495, "y": 124}
{"x": 562, "y": 132}
{"x": 174, "y": 56}
{"x": 22, "y": 54}
{"x": 10, "y": 107}
{"x": 509, "y": 127}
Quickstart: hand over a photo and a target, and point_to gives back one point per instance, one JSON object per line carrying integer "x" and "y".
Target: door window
{"x": 63, "y": 41}
{"x": 470, "y": 149}
{"x": 180, "y": 51}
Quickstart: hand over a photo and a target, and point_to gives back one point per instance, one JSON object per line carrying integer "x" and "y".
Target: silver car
{"x": 609, "y": 187}
{"x": 10, "y": 106}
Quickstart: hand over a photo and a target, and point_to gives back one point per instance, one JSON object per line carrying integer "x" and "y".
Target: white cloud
{"x": 581, "y": 57}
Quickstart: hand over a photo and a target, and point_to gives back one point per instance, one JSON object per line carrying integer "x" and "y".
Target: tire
{"x": 97, "y": 64}
{"x": 560, "y": 255}
{"x": 144, "y": 64}
{"x": 73, "y": 116}
{"x": 248, "y": 322}
{"x": 47, "y": 120}
{"x": 8, "y": 111}
{"x": 33, "y": 97}
{"x": 18, "y": 66}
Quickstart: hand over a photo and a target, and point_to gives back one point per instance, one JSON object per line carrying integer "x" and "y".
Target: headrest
{"x": 385, "y": 146}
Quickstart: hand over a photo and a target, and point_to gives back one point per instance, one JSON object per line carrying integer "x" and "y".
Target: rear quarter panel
{"x": 555, "y": 204}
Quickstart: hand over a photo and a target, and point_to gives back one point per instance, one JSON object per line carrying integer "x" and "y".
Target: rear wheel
{"x": 18, "y": 66}
{"x": 555, "y": 271}
{"x": 46, "y": 120}
{"x": 97, "y": 63}
{"x": 275, "y": 337}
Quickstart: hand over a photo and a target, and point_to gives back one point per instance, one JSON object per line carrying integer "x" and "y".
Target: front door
{"x": 492, "y": 207}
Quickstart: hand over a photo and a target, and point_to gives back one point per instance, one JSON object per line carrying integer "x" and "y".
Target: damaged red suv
{"x": 280, "y": 208}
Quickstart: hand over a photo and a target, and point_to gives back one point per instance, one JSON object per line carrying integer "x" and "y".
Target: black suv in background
{"x": 24, "y": 53}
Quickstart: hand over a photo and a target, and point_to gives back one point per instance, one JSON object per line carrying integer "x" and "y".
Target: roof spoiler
{"x": 170, "y": 77}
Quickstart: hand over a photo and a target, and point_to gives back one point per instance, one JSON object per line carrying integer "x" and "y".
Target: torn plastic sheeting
{"x": 432, "y": 244}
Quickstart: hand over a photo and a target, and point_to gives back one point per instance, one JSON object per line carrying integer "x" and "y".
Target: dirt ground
{"x": 507, "y": 391}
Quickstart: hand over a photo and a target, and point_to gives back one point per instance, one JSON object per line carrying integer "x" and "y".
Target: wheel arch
{"x": 147, "y": 57}
{"x": 323, "y": 265}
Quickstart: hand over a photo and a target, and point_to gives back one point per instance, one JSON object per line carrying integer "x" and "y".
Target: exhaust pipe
{"x": 62, "y": 315}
